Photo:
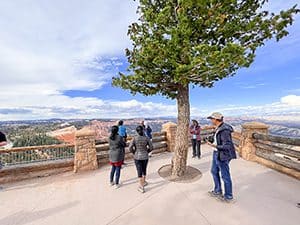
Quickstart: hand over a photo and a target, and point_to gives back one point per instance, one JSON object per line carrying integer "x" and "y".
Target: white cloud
{"x": 291, "y": 100}
{"x": 287, "y": 105}
{"x": 57, "y": 44}
{"x": 59, "y": 106}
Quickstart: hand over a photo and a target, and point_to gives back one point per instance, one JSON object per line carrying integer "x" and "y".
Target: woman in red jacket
{"x": 196, "y": 138}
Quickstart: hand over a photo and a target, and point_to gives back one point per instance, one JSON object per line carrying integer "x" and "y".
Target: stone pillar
{"x": 85, "y": 151}
{"x": 170, "y": 129}
{"x": 247, "y": 148}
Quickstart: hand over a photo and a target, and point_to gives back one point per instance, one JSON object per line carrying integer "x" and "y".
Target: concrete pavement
{"x": 263, "y": 197}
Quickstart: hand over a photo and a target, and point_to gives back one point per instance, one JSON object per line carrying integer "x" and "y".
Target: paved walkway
{"x": 263, "y": 197}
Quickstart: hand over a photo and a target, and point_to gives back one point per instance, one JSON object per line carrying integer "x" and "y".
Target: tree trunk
{"x": 182, "y": 143}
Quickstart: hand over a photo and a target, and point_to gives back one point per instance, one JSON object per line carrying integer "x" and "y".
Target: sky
{"x": 57, "y": 59}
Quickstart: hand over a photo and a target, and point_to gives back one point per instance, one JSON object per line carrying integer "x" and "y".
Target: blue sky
{"x": 57, "y": 60}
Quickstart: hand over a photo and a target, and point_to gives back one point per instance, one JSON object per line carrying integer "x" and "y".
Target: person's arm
{"x": 191, "y": 130}
{"x": 125, "y": 133}
{"x": 132, "y": 146}
{"x": 197, "y": 132}
{"x": 122, "y": 142}
{"x": 3, "y": 143}
{"x": 226, "y": 140}
{"x": 150, "y": 145}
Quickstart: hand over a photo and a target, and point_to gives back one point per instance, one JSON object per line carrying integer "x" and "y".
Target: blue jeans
{"x": 115, "y": 170}
{"x": 223, "y": 167}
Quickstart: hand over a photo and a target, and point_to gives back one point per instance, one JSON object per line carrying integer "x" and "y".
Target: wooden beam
{"x": 277, "y": 139}
{"x": 278, "y": 149}
{"x": 268, "y": 155}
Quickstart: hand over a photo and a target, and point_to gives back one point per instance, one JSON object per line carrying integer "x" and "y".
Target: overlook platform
{"x": 264, "y": 196}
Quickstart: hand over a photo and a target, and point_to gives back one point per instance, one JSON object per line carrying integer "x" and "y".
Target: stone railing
{"x": 279, "y": 153}
{"x": 253, "y": 144}
{"x": 159, "y": 144}
{"x": 86, "y": 154}
{"x": 237, "y": 137}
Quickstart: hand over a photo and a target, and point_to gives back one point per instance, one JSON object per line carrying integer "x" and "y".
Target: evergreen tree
{"x": 181, "y": 42}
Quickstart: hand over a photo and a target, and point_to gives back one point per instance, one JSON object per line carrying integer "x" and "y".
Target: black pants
{"x": 141, "y": 167}
{"x": 196, "y": 148}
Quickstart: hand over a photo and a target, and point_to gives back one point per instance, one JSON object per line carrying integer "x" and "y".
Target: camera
{"x": 210, "y": 139}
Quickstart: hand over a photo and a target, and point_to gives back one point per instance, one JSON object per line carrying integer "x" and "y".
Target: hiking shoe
{"x": 141, "y": 189}
{"x": 226, "y": 200}
{"x": 214, "y": 194}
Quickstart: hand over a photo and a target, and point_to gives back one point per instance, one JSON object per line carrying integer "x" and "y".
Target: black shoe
{"x": 298, "y": 205}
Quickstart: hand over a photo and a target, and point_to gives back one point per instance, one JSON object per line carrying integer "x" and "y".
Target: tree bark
{"x": 179, "y": 160}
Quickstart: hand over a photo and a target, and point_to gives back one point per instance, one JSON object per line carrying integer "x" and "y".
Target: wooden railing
{"x": 280, "y": 150}
{"x": 33, "y": 154}
{"x": 159, "y": 145}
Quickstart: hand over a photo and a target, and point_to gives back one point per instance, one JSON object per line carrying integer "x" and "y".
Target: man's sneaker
{"x": 112, "y": 184}
{"x": 141, "y": 189}
{"x": 146, "y": 183}
{"x": 194, "y": 156}
{"x": 226, "y": 200}
{"x": 117, "y": 186}
{"x": 298, "y": 205}
{"x": 214, "y": 194}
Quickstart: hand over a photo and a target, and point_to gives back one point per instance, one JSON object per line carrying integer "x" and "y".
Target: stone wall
{"x": 247, "y": 148}
{"x": 170, "y": 129}
{"x": 35, "y": 170}
{"x": 85, "y": 151}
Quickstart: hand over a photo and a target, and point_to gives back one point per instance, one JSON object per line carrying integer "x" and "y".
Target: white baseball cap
{"x": 216, "y": 115}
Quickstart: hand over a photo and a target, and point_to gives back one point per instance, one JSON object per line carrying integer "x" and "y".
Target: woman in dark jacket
{"x": 116, "y": 155}
{"x": 141, "y": 146}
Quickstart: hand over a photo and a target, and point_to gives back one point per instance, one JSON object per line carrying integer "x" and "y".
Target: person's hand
{"x": 210, "y": 144}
